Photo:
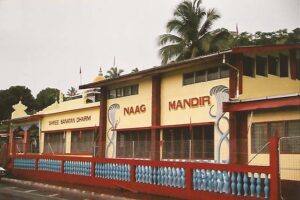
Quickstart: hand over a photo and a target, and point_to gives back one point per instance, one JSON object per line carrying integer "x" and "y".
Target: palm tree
{"x": 135, "y": 70}
{"x": 189, "y": 33}
{"x": 72, "y": 92}
{"x": 114, "y": 72}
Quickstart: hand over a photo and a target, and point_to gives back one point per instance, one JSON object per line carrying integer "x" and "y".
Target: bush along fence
{"x": 175, "y": 179}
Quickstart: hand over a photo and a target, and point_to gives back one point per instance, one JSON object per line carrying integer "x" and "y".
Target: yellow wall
{"x": 67, "y": 121}
{"x": 142, "y": 119}
{"x": 261, "y": 86}
{"x": 173, "y": 89}
{"x": 88, "y": 117}
{"x": 290, "y": 161}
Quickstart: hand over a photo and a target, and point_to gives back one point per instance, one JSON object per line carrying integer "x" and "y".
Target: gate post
{"x": 274, "y": 168}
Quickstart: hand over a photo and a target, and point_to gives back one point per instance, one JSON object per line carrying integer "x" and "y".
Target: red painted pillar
{"x": 233, "y": 138}
{"x": 26, "y": 140}
{"x": 62, "y": 166}
{"x": 11, "y": 142}
{"x": 102, "y": 122}
{"x": 293, "y": 63}
{"x": 274, "y": 168}
{"x": 238, "y": 138}
{"x": 93, "y": 163}
{"x": 237, "y": 62}
{"x": 189, "y": 179}
{"x": 155, "y": 132}
{"x": 132, "y": 173}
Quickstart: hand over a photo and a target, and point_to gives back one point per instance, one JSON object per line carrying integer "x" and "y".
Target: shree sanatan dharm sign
{"x": 70, "y": 120}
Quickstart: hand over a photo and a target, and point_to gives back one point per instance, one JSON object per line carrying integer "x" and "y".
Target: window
{"x": 54, "y": 142}
{"x": 205, "y": 75}
{"x": 124, "y": 91}
{"x": 127, "y": 91}
{"x": 261, "y": 66}
{"x": 188, "y": 78}
{"x": 213, "y": 74}
{"x": 203, "y": 142}
{"x": 224, "y": 72}
{"x": 284, "y": 70}
{"x": 200, "y": 76}
{"x": 112, "y": 94}
{"x": 82, "y": 141}
{"x": 34, "y": 141}
{"x": 119, "y": 92}
{"x": 188, "y": 143}
{"x": 133, "y": 144}
{"x": 261, "y": 133}
{"x": 248, "y": 66}
{"x": 134, "y": 89}
{"x": 273, "y": 66}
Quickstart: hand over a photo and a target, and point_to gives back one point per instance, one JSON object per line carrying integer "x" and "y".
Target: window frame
{"x": 142, "y": 139}
{"x": 172, "y": 150}
{"x": 81, "y": 132}
{"x": 120, "y": 91}
{"x": 193, "y": 75}
{"x": 63, "y": 145}
{"x": 285, "y": 134}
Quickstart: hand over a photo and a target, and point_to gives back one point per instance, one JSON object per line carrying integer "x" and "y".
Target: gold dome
{"x": 100, "y": 76}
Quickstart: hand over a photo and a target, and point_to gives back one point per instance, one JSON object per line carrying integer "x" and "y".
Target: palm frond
{"x": 166, "y": 38}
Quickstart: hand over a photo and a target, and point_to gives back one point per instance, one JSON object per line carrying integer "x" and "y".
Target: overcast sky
{"x": 43, "y": 43}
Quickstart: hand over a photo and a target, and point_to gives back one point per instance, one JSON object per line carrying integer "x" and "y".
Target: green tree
{"x": 189, "y": 33}
{"x": 12, "y": 96}
{"x": 72, "y": 92}
{"x": 46, "y": 97}
{"x": 294, "y": 37}
{"x": 114, "y": 72}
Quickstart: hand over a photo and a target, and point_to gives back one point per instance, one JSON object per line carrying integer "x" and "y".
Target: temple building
{"x": 217, "y": 108}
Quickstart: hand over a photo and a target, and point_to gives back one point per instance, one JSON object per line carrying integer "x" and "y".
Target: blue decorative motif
{"x": 24, "y": 163}
{"x": 81, "y": 168}
{"x": 49, "y": 165}
{"x": 163, "y": 176}
{"x": 266, "y": 186}
{"x": 245, "y": 186}
{"x": 114, "y": 171}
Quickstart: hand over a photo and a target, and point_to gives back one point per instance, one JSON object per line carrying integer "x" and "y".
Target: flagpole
{"x": 80, "y": 74}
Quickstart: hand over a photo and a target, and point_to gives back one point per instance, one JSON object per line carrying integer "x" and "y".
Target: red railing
{"x": 176, "y": 179}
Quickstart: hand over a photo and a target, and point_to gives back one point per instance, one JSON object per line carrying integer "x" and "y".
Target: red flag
{"x": 80, "y": 70}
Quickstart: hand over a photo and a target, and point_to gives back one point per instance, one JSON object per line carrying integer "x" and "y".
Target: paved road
{"x": 14, "y": 189}
{"x": 10, "y": 191}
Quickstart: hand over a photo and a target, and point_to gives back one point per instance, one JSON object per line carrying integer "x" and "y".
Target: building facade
{"x": 219, "y": 108}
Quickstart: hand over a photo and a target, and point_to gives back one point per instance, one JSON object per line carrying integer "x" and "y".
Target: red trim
{"x": 186, "y": 125}
{"x": 265, "y": 48}
{"x": 66, "y": 111}
{"x": 134, "y": 129}
{"x": 72, "y": 129}
{"x": 25, "y": 119}
{"x": 261, "y": 104}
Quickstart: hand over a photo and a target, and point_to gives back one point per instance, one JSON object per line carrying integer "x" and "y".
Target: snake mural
{"x": 111, "y": 133}
{"x": 221, "y": 94}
